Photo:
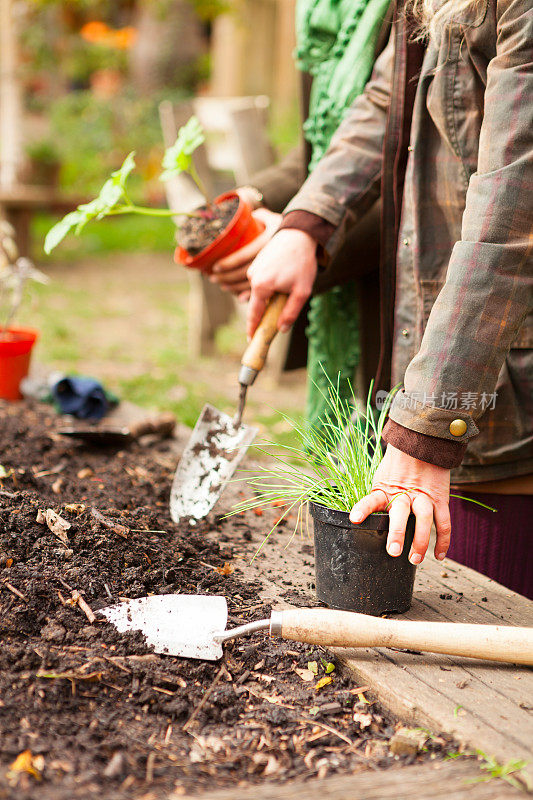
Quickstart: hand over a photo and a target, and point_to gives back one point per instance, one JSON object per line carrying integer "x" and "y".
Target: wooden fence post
{"x": 10, "y": 97}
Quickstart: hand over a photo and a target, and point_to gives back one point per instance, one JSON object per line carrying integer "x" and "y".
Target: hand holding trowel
{"x": 219, "y": 442}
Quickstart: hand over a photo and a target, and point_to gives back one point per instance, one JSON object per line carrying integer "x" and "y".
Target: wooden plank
{"x": 17, "y": 206}
{"x": 10, "y": 95}
{"x": 208, "y": 306}
{"x": 251, "y": 139}
{"x": 433, "y": 781}
{"x": 502, "y": 604}
{"x": 486, "y": 706}
{"x": 36, "y": 197}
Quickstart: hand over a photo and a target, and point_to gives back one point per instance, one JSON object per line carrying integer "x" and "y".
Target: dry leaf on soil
{"x": 27, "y": 763}
{"x": 55, "y": 523}
{"x": 226, "y": 570}
{"x": 364, "y": 720}
{"x": 324, "y": 681}
{"x": 305, "y": 674}
{"x": 75, "y": 508}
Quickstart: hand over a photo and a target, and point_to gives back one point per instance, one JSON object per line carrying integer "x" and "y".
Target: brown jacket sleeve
{"x": 432, "y": 449}
{"x": 278, "y": 184}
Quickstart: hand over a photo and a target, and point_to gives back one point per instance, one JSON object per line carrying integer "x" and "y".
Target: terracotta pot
{"x": 242, "y": 229}
{"x": 353, "y": 570}
{"x": 15, "y": 353}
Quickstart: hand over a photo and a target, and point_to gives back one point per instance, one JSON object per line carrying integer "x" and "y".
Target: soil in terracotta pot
{"x": 100, "y": 714}
{"x": 199, "y": 232}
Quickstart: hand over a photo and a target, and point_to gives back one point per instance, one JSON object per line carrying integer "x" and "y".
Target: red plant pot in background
{"x": 15, "y": 353}
{"x": 242, "y": 229}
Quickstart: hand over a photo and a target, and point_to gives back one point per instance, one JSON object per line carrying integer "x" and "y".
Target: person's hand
{"x": 403, "y": 484}
{"x": 286, "y": 264}
{"x": 230, "y": 272}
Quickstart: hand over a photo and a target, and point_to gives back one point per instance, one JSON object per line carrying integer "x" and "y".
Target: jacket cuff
{"x": 455, "y": 424}
{"x": 317, "y": 227}
{"x": 433, "y": 450}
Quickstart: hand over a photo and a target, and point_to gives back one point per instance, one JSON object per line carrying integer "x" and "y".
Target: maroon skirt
{"x": 497, "y": 545}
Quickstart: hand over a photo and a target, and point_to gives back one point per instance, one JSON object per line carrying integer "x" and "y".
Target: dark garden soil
{"x": 197, "y": 233}
{"x": 85, "y": 711}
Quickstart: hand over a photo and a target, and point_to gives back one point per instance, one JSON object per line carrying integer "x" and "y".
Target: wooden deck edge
{"x": 436, "y": 780}
{"x": 441, "y": 715}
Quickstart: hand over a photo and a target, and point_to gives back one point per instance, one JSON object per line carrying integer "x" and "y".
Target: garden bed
{"x": 97, "y": 711}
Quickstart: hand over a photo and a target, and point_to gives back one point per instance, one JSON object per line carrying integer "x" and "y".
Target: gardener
{"x": 452, "y": 157}
{"x": 337, "y": 44}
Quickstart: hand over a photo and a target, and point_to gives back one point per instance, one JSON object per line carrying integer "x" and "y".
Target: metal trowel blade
{"x": 175, "y": 624}
{"x": 210, "y": 458}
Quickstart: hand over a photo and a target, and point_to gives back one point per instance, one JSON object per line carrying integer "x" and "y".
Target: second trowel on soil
{"x": 219, "y": 442}
{"x": 194, "y": 626}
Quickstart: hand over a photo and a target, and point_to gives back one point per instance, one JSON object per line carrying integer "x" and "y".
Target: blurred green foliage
{"x": 93, "y": 135}
{"x": 118, "y": 235}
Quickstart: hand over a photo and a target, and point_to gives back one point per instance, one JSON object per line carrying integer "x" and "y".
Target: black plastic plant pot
{"x": 353, "y": 570}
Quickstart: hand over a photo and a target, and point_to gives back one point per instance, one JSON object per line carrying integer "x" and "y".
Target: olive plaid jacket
{"x": 452, "y": 157}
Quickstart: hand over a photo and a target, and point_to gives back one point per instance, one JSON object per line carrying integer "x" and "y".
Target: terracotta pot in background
{"x": 15, "y": 353}
{"x": 242, "y": 229}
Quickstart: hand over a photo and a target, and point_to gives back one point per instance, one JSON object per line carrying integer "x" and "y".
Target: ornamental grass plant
{"x": 334, "y": 465}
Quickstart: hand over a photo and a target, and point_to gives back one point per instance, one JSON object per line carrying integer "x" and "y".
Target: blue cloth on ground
{"x": 82, "y": 397}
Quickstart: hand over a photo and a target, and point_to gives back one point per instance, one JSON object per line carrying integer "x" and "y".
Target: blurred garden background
{"x": 82, "y": 85}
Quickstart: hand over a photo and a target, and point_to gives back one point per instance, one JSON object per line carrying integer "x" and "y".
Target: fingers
{"x": 244, "y": 296}
{"x": 423, "y": 511}
{"x": 256, "y": 309}
{"x": 231, "y": 276}
{"x": 444, "y": 530}
{"x": 286, "y": 264}
{"x": 399, "y": 511}
{"x": 236, "y": 288}
{"x": 242, "y": 257}
{"x": 375, "y": 501}
{"x": 293, "y": 306}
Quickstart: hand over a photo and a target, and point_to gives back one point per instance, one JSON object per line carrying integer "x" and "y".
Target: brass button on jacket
{"x": 458, "y": 427}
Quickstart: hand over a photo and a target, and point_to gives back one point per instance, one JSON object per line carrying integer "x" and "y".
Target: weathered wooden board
{"x": 438, "y": 781}
{"x": 485, "y": 706}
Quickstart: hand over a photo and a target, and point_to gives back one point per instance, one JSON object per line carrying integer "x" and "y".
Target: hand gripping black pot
{"x": 353, "y": 570}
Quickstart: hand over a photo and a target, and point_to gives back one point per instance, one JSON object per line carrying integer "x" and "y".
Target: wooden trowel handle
{"x": 255, "y": 354}
{"x": 346, "y": 629}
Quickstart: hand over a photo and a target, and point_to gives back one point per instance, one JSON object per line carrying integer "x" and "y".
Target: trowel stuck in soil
{"x": 213, "y": 453}
{"x": 218, "y": 443}
{"x": 95, "y": 713}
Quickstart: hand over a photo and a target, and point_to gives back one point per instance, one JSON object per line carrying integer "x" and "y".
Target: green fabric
{"x": 336, "y": 43}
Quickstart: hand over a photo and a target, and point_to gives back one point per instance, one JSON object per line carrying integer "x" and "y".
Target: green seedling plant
{"x": 15, "y": 273}
{"x": 334, "y": 465}
{"x": 114, "y": 197}
{"x": 511, "y": 772}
